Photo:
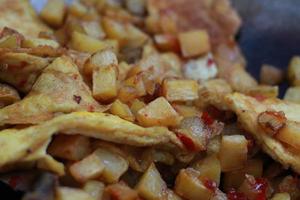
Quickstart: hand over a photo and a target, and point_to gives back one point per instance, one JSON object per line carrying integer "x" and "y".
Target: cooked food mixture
{"x": 141, "y": 100}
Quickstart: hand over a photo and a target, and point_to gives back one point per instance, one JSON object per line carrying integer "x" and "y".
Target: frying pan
{"x": 270, "y": 35}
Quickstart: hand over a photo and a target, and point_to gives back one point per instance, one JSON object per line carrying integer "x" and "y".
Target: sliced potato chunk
{"x": 151, "y": 186}
{"x": 281, "y": 196}
{"x": 294, "y": 71}
{"x": 270, "y": 75}
{"x": 158, "y": 113}
{"x": 292, "y": 94}
{"x": 53, "y": 13}
{"x": 137, "y": 105}
{"x": 289, "y": 134}
{"x": 95, "y": 189}
{"x": 194, "y": 43}
{"x": 90, "y": 167}
{"x": 233, "y": 152}
{"x": 180, "y": 90}
{"x": 8, "y": 95}
{"x": 121, "y": 191}
{"x": 66, "y": 193}
{"x": 10, "y": 41}
{"x": 35, "y": 42}
{"x": 122, "y": 110}
{"x": 70, "y": 147}
{"x": 263, "y": 91}
{"x": 186, "y": 111}
{"x": 189, "y": 186}
{"x": 115, "y": 165}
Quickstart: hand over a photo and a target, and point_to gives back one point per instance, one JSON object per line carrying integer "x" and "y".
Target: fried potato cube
{"x": 172, "y": 195}
{"x": 8, "y": 95}
{"x": 233, "y": 152}
{"x": 35, "y": 42}
{"x": 83, "y": 42}
{"x": 294, "y": 71}
{"x": 70, "y": 147}
{"x": 121, "y": 191}
{"x": 281, "y": 196}
{"x": 89, "y": 168}
{"x": 263, "y": 91}
{"x": 209, "y": 168}
{"x": 54, "y": 12}
{"x": 136, "y": 82}
{"x": 180, "y": 90}
{"x": 122, "y": 110}
{"x": 115, "y": 165}
{"x": 67, "y": 193}
{"x": 186, "y": 111}
{"x": 167, "y": 42}
{"x": 151, "y": 186}
{"x": 234, "y": 179}
{"x": 158, "y": 113}
{"x": 105, "y": 85}
{"x": 194, "y": 43}
{"x": 270, "y": 75}
{"x": 292, "y": 94}
{"x": 189, "y": 186}
{"x": 136, "y": 105}
{"x": 95, "y": 189}
{"x": 289, "y": 134}
{"x": 77, "y": 9}
{"x": 123, "y": 69}
{"x": 10, "y": 41}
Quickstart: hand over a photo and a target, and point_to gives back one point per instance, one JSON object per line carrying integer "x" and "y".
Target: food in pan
{"x": 141, "y": 100}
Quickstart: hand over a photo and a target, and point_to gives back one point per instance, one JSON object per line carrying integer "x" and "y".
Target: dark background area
{"x": 270, "y": 33}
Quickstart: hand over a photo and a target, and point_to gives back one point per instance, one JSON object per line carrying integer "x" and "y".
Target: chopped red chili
{"x": 187, "y": 142}
{"x": 207, "y": 119}
{"x": 209, "y": 184}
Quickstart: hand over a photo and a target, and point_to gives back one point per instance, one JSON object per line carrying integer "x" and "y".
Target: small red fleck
{"x": 207, "y": 119}
{"x": 209, "y": 184}
{"x": 91, "y": 108}
{"x": 14, "y": 181}
{"x": 210, "y": 62}
{"x": 187, "y": 142}
{"x": 75, "y": 76}
{"x": 259, "y": 97}
{"x": 261, "y": 186}
{"x": 77, "y": 99}
{"x": 235, "y": 195}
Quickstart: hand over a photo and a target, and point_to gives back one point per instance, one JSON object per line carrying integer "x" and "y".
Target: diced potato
{"x": 95, "y": 189}
{"x": 136, "y": 106}
{"x": 105, "y": 83}
{"x": 10, "y": 41}
{"x": 281, "y": 196}
{"x": 100, "y": 59}
{"x": 121, "y": 191}
{"x": 194, "y": 43}
{"x": 294, "y": 71}
{"x": 263, "y": 91}
{"x": 189, "y": 186}
{"x": 270, "y": 75}
{"x": 123, "y": 69}
{"x": 234, "y": 179}
{"x": 115, "y": 165}
{"x": 214, "y": 145}
{"x": 172, "y": 195}
{"x": 83, "y": 42}
{"x": 180, "y": 90}
{"x": 127, "y": 94}
{"x": 90, "y": 167}
{"x": 151, "y": 186}
{"x": 289, "y": 134}
{"x": 77, "y": 9}
{"x": 137, "y": 7}
{"x": 70, "y": 147}
{"x": 126, "y": 34}
{"x": 66, "y": 193}
{"x": 122, "y": 110}
{"x": 158, "y": 113}
{"x": 233, "y": 152}
{"x": 54, "y": 12}
{"x": 209, "y": 168}
{"x": 292, "y": 94}
{"x": 35, "y": 42}
{"x": 137, "y": 83}
{"x": 8, "y": 95}
{"x": 240, "y": 80}
{"x": 186, "y": 111}
{"x": 167, "y": 42}
{"x": 94, "y": 29}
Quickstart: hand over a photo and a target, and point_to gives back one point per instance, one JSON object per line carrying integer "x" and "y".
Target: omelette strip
{"x": 59, "y": 89}
{"x": 248, "y": 110}
{"x": 30, "y": 144}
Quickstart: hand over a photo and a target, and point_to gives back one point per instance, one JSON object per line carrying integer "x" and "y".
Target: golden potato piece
{"x": 19, "y": 15}
{"x": 8, "y": 95}
{"x": 281, "y": 196}
{"x": 294, "y": 71}
{"x": 54, "y": 12}
{"x": 94, "y": 188}
{"x": 180, "y": 90}
{"x": 248, "y": 109}
{"x": 122, "y": 110}
{"x": 158, "y": 113}
{"x": 194, "y": 43}
{"x": 270, "y": 75}
{"x": 36, "y": 42}
{"x": 263, "y": 91}
{"x": 29, "y": 144}
{"x": 59, "y": 89}
{"x": 67, "y": 193}
{"x": 292, "y": 94}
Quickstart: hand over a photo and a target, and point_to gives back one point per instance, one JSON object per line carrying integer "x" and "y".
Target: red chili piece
{"x": 209, "y": 184}
{"x": 207, "y": 119}
{"x": 187, "y": 142}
